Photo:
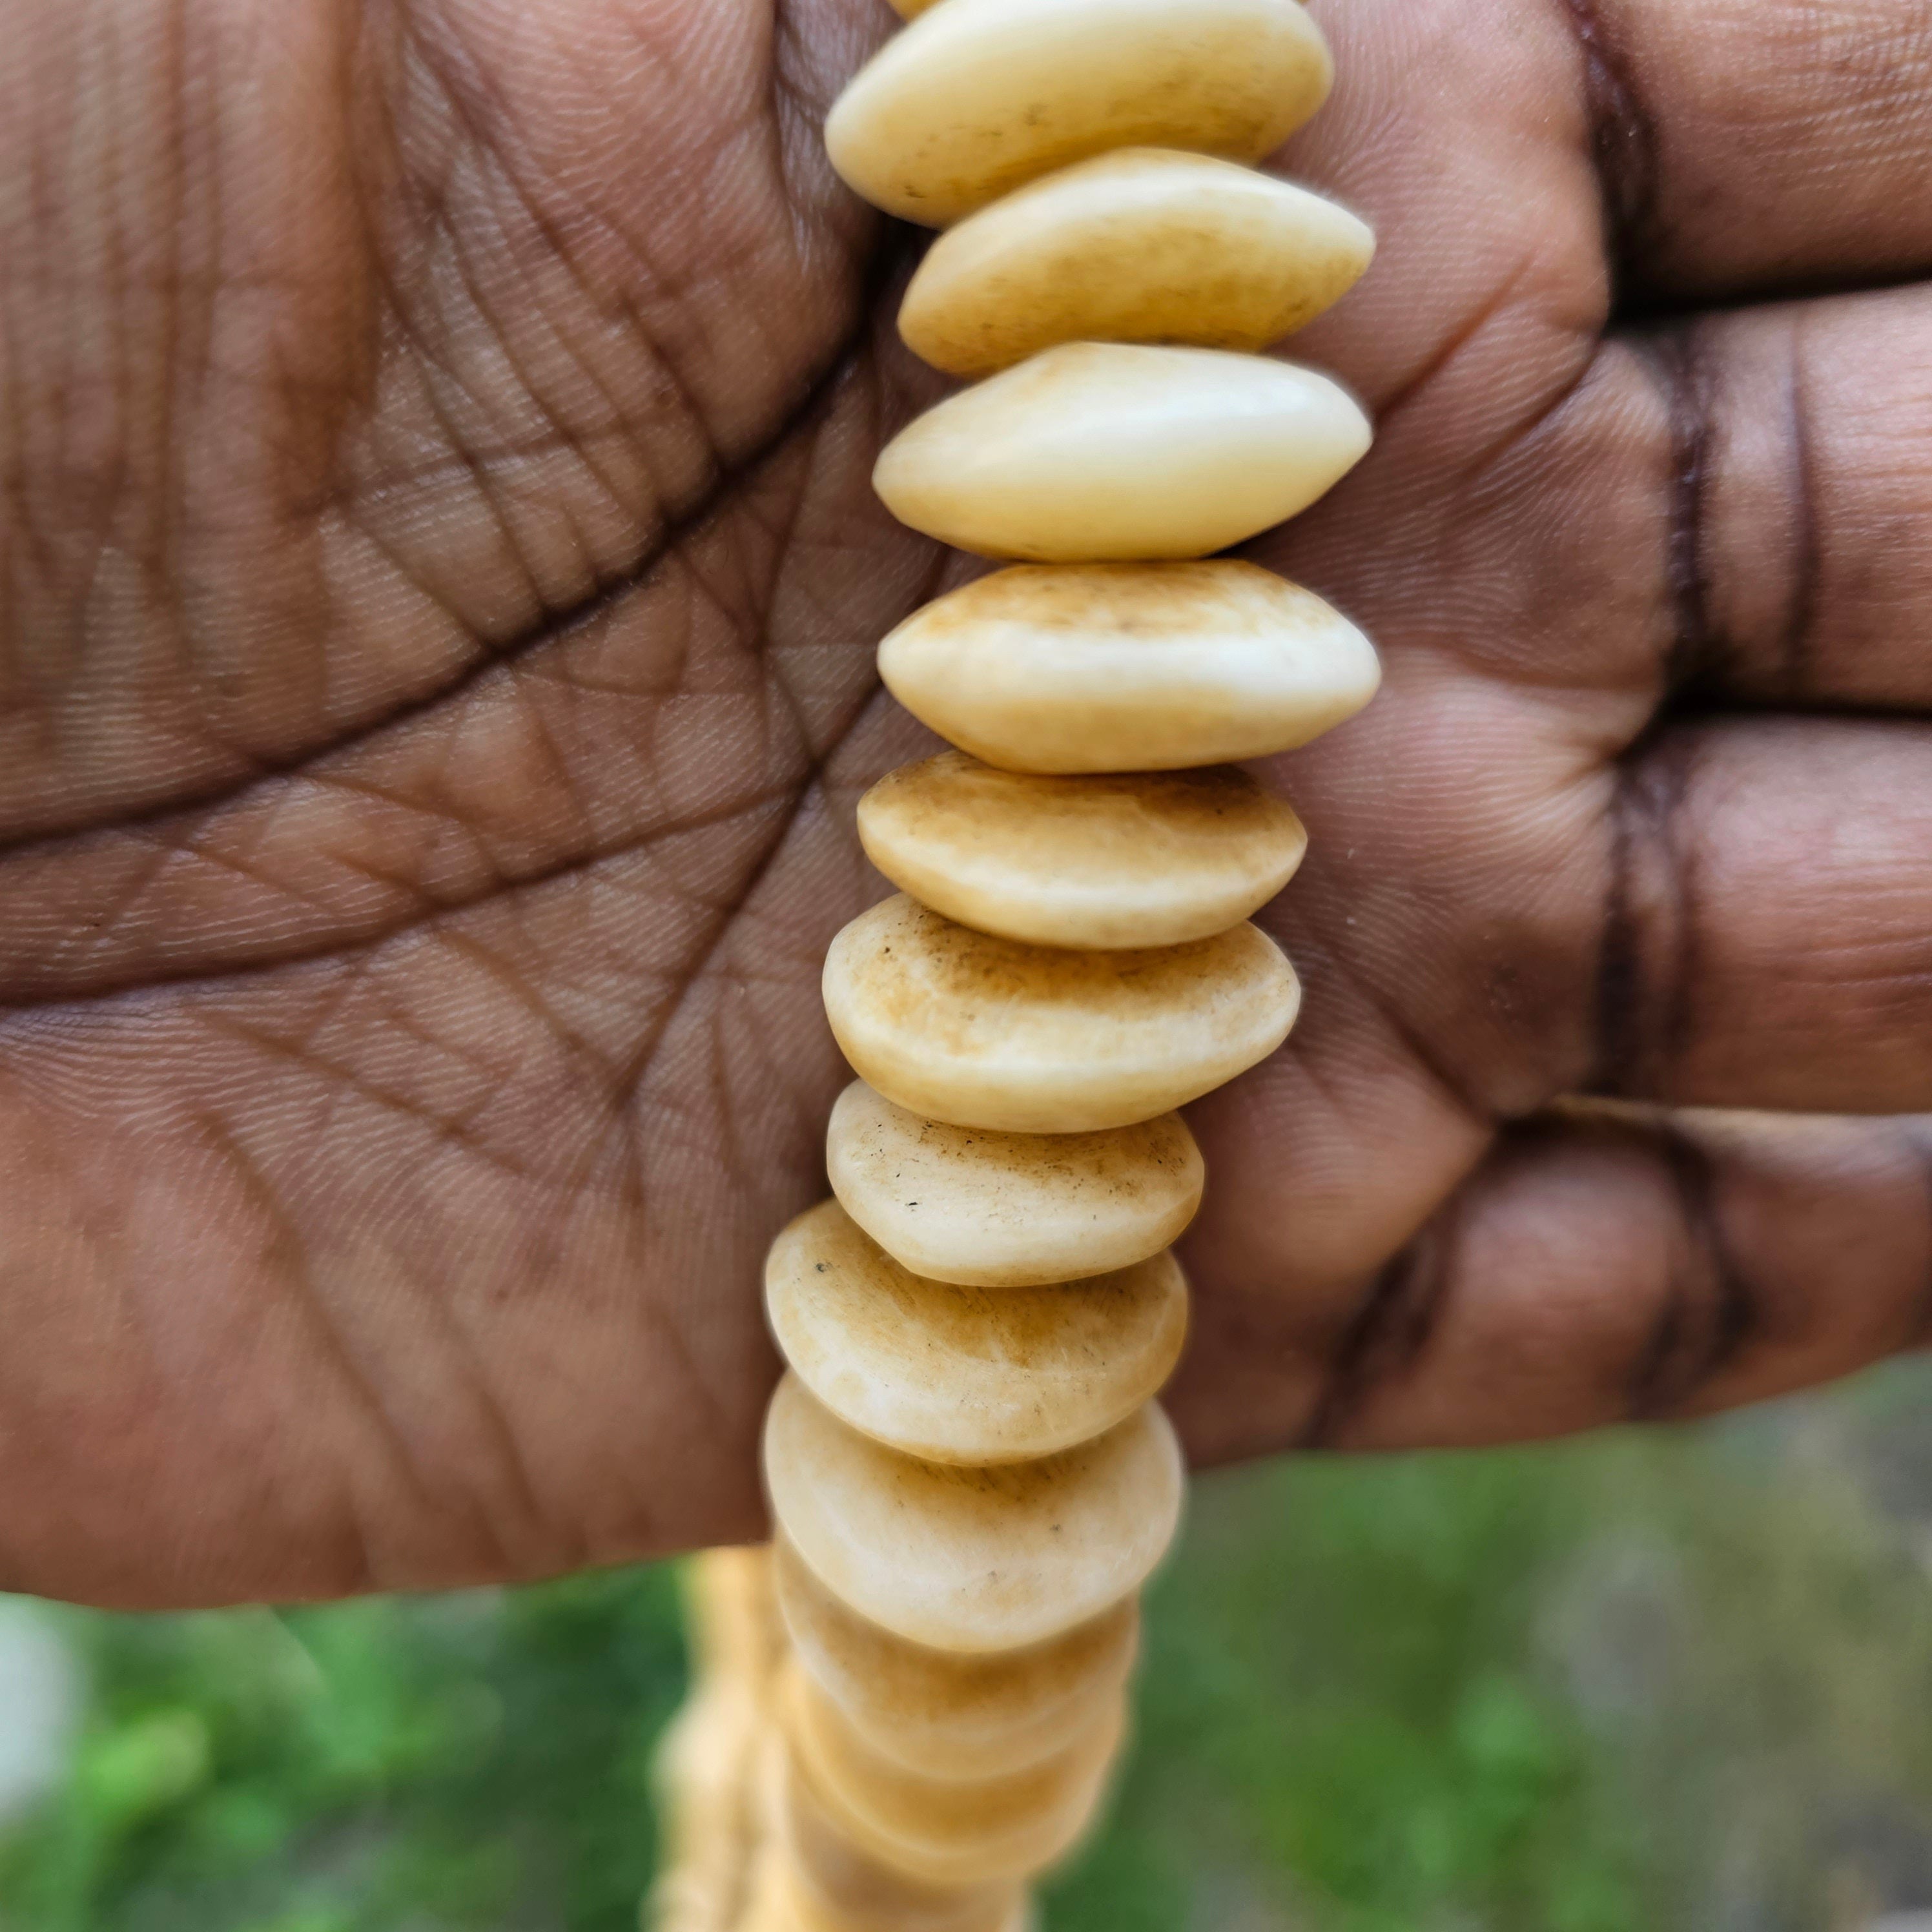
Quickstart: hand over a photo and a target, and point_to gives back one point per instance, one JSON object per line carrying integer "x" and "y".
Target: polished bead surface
{"x": 1145, "y": 858}
{"x": 983, "y": 1032}
{"x": 976, "y": 97}
{"x": 1144, "y": 245}
{"x": 1094, "y": 452}
{"x": 844, "y": 1889}
{"x": 972, "y": 1559}
{"x": 1123, "y": 666}
{"x": 978, "y": 1714}
{"x": 967, "y": 1375}
{"x": 942, "y": 1829}
{"x": 1009, "y": 1211}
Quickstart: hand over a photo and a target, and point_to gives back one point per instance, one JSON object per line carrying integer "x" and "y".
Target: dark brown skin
{"x": 435, "y": 681}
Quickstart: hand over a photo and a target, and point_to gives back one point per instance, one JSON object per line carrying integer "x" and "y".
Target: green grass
{"x": 1658, "y": 1683}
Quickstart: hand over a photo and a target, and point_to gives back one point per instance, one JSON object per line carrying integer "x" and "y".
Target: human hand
{"x": 437, "y": 678}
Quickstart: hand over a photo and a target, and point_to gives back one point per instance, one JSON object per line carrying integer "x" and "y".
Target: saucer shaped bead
{"x": 1143, "y": 245}
{"x": 982, "y": 1032}
{"x": 1145, "y": 858}
{"x": 1099, "y": 451}
{"x": 1009, "y": 1211}
{"x": 976, "y": 97}
{"x": 965, "y": 1559}
{"x": 1069, "y": 668}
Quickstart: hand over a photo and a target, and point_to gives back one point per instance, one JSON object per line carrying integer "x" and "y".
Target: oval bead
{"x": 1009, "y": 1211}
{"x": 977, "y": 1715}
{"x": 973, "y": 99}
{"x": 1143, "y": 859}
{"x": 841, "y": 1889}
{"x": 1122, "y": 667}
{"x": 1100, "y": 450}
{"x": 967, "y": 1375}
{"x": 945, "y": 1830}
{"x": 972, "y": 1559}
{"x": 982, "y": 1032}
{"x": 1145, "y": 245}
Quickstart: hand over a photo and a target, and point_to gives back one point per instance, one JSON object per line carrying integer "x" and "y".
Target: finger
{"x": 1767, "y": 935}
{"x": 1601, "y": 1267}
{"x": 1747, "y": 145}
{"x": 1726, "y": 509}
{"x": 1800, "y": 454}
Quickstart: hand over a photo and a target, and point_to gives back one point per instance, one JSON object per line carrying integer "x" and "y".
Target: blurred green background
{"x": 1679, "y": 1680}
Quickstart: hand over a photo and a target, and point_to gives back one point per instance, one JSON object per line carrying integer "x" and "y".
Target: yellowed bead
{"x": 976, "y": 96}
{"x": 1145, "y": 858}
{"x": 982, "y": 1032}
{"x": 1009, "y": 1211}
{"x": 972, "y": 1560}
{"x": 1123, "y": 666}
{"x": 1145, "y": 245}
{"x": 977, "y": 1714}
{"x": 971, "y": 1375}
{"x": 839, "y": 1887}
{"x": 944, "y": 1830}
{"x": 1095, "y": 451}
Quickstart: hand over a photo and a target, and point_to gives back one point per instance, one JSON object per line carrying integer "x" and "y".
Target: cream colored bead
{"x": 1009, "y": 1211}
{"x": 974, "y": 1715}
{"x": 972, "y": 1559}
{"x": 839, "y": 1888}
{"x": 1143, "y": 859}
{"x": 967, "y": 1375}
{"x": 982, "y": 1032}
{"x": 781, "y": 1900}
{"x": 1098, "y": 451}
{"x": 941, "y": 1829}
{"x": 1121, "y": 667}
{"x": 1144, "y": 245}
{"x": 731, "y": 1617}
{"x": 702, "y": 1772}
{"x": 975, "y": 97}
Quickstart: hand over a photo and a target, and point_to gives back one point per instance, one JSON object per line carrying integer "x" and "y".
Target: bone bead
{"x": 1144, "y": 245}
{"x": 971, "y": 99}
{"x": 983, "y": 1032}
{"x": 839, "y": 1888}
{"x": 779, "y": 1900}
{"x": 967, "y": 1375}
{"x": 1097, "y": 451}
{"x": 1009, "y": 1211}
{"x": 975, "y": 1714}
{"x": 945, "y": 1830}
{"x": 1119, "y": 667}
{"x": 972, "y": 1559}
{"x": 1143, "y": 859}
{"x": 702, "y": 1772}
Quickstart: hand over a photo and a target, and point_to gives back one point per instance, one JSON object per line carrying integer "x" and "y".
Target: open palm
{"x": 441, "y": 579}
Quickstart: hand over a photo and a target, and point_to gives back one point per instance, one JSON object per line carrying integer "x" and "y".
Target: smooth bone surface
{"x": 946, "y": 1830}
{"x": 967, "y": 1375}
{"x": 1146, "y": 858}
{"x": 990, "y": 1210}
{"x": 1124, "y": 668}
{"x": 977, "y": 96}
{"x": 978, "y": 1714}
{"x": 972, "y": 1560}
{"x": 1143, "y": 245}
{"x": 1094, "y": 450}
{"x": 843, "y": 1888}
{"x": 983, "y": 1032}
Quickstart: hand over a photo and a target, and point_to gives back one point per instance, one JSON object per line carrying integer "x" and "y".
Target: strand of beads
{"x": 970, "y": 1477}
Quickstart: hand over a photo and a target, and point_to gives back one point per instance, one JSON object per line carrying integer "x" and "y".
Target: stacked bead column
{"x": 970, "y": 1478}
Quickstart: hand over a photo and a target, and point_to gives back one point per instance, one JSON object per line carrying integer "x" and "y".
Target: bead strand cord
{"x": 970, "y": 1477}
